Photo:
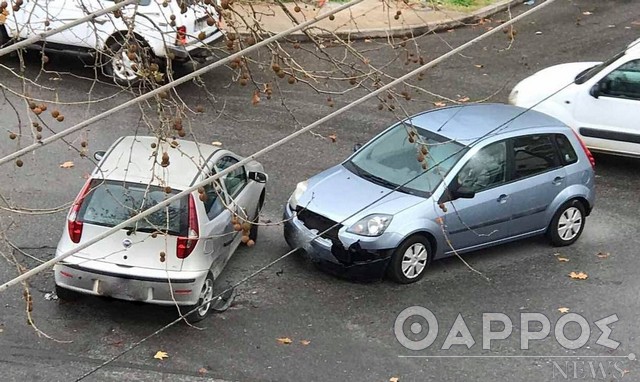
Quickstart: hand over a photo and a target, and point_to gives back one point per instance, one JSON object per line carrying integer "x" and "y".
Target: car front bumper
{"x": 353, "y": 262}
{"x": 132, "y": 284}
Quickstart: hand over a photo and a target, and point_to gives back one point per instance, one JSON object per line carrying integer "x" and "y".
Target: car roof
{"x": 468, "y": 123}
{"x": 634, "y": 47}
{"x": 133, "y": 159}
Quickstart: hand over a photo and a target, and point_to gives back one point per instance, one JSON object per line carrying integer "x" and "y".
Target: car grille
{"x": 313, "y": 220}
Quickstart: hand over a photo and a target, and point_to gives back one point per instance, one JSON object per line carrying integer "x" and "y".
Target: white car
{"x": 163, "y": 30}
{"x": 174, "y": 255}
{"x": 602, "y": 102}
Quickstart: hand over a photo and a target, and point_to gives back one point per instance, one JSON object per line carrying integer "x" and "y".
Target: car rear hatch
{"x": 150, "y": 243}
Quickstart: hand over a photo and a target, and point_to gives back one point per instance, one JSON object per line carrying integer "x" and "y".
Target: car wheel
{"x": 567, "y": 224}
{"x": 253, "y": 233}
{"x": 202, "y": 308}
{"x": 410, "y": 260}
{"x": 122, "y": 64}
{"x": 66, "y": 294}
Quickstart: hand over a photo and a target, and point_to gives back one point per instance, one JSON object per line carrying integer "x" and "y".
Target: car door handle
{"x": 502, "y": 198}
{"x": 557, "y": 180}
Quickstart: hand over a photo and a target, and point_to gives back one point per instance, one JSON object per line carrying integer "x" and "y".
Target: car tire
{"x": 567, "y": 224}
{"x": 201, "y": 309}
{"x": 410, "y": 260}
{"x": 66, "y": 294}
{"x": 117, "y": 64}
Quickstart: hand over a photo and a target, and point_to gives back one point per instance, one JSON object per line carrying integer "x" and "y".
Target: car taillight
{"x": 592, "y": 160}
{"x": 186, "y": 244}
{"x": 74, "y": 224}
{"x": 181, "y": 36}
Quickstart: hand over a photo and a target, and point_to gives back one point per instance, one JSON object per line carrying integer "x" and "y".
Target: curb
{"x": 437, "y": 26}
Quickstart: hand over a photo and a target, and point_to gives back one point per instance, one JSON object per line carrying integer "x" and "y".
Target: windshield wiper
{"x": 378, "y": 180}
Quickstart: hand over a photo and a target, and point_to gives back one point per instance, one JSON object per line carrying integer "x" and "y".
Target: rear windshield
{"x": 109, "y": 203}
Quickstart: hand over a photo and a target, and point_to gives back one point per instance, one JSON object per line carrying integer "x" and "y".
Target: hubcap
{"x": 123, "y": 67}
{"x": 205, "y": 295}
{"x": 570, "y": 223}
{"x": 414, "y": 260}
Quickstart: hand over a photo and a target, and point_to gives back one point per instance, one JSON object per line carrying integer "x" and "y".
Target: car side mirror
{"x": 98, "y": 155}
{"x": 258, "y": 176}
{"x": 595, "y": 90}
{"x": 455, "y": 191}
{"x": 357, "y": 147}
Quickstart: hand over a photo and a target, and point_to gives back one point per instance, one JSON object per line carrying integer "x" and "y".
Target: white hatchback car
{"x": 602, "y": 102}
{"x": 174, "y": 255}
{"x": 164, "y": 30}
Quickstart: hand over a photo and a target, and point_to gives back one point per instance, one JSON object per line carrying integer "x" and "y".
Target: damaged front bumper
{"x": 353, "y": 261}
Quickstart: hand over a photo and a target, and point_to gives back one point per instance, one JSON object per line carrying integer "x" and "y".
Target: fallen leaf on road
{"x": 1, "y": 330}
{"x": 394, "y": 379}
{"x": 285, "y": 341}
{"x": 161, "y": 355}
{"x": 561, "y": 259}
{"x": 578, "y": 275}
{"x": 587, "y": 13}
{"x": 367, "y": 40}
{"x": 305, "y": 342}
{"x": 563, "y": 310}
{"x": 202, "y": 371}
{"x": 333, "y": 137}
{"x": 256, "y": 98}
{"x": 216, "y": 143}
{"x": 479, "y": 66}
{"x": 439, "y": 104}
{"x": 67, "y": 164}
{"x": 464, "y": 99}
{"x": 603, "y": 255}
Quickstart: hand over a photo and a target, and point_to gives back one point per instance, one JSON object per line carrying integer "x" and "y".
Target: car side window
{"x": 533, "y": 154}
{"x": 623, "y": 82}
{"x": 213, "y": 200}
{"x": 236, "y": 179}
{"x": 486, "y": 169}
{"x": 567, "y": 152}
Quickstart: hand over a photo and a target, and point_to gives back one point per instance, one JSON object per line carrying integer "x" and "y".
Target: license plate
{"x": 120, "y": 288}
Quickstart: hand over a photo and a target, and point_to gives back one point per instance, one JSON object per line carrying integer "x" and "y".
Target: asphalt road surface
{"x": 349, "y": 325}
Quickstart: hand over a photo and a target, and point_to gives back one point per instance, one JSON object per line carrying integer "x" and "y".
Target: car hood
{"x": 546, "y": 82}
{"x": 337, "y": 194}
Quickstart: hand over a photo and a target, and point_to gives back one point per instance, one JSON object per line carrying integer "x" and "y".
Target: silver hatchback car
{"x": 448, "y": 180}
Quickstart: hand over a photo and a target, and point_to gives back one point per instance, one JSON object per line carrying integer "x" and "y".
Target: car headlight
{"x": 372, "y": 225}
{"x": 300, "y": 189}
{"x": 513, "y": 97}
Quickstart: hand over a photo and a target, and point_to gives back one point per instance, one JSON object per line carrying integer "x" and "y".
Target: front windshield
{"x": 392, "y": 160}
{"x": 588, "y": 74}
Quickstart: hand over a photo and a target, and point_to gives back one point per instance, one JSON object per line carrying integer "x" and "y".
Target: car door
{"x": 538, "y": 173}
{"x": 235, "y": 187}
{"x": 484, "y": 218}
{"x": 608, "y": 119}
{"x": 217, "y": 230}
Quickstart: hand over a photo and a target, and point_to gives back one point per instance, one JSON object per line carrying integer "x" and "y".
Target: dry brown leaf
{"x": 394, "y": 379}
{"x": 439, "y": 104}
{"x": 464, "y": 99}
{"x": 333, "y": 137}
{"x": 256, "y": 98}
{"x": 562, "y": 259}
{"x": 578, "y": 275}
{"x": 479, "y": 66}
{"x": 587, "y": 13}
{"x": 67, "y": 164}
{"x": 563, "y": 310}
{"x": 305, "y": 342}
{"x": 216, "y": 143}
{"x": 285, "y": 341}
{"x": 603, "y": 255}
{"x": 1, "y": 330}
{"x": 161, "y": 355}
{"x": 202, "y": 371}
